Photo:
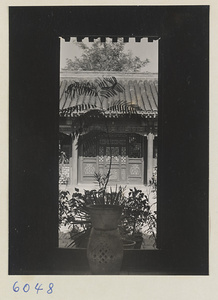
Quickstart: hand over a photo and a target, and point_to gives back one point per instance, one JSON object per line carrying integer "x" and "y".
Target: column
{"x": 74, "y": 164}
{"x": 150, "y": 138}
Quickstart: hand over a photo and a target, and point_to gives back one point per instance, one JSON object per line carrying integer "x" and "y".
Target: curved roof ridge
{"x": 65, "y": 74}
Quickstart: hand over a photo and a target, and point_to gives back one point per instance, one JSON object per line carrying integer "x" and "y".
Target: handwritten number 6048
{"x": 38, "y": 288}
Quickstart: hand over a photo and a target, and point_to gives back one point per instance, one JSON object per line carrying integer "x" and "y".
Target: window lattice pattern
{"x": 123, "y": 155}
{"x": 135, "y": 147}
{"x": 114, "y": 152}
{"x": 89, "y": 169}
{"x": 89, "y": 150}
{"x": 118, "y": 141}
{"x": 101, "y": 154}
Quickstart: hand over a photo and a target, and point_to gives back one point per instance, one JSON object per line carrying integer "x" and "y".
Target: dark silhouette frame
{"x": 182, "y": 138}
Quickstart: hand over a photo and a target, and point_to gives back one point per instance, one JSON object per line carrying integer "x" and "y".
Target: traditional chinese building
{"x": 132, "y": 137}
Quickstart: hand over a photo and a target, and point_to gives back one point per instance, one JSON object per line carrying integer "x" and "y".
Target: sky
{"x": 143, "y": 50}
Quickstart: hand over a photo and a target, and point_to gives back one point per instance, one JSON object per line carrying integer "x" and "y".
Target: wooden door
{"x": 118, "y": 162}
{"x": 135, "y": 159}
{"x": 127, "y": 165}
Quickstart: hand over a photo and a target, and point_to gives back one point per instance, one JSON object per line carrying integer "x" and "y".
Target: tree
{"x": 106, "y": 56}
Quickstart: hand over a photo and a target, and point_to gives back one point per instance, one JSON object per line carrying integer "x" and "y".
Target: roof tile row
{"x": 138, "y": 91}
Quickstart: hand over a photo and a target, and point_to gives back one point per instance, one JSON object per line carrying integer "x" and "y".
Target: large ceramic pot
{"x": 105, "y": 247}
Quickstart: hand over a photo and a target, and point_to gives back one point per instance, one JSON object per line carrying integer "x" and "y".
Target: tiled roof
{"x": 140, "y": 89}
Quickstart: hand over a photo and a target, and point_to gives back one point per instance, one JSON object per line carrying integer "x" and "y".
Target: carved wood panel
{"x": 127, "y": 159}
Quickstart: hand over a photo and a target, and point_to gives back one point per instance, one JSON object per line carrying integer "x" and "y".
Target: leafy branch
{"x": 102, "y": 89}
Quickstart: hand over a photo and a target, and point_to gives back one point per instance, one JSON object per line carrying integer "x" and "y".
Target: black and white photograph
{"x": 108, "y": 141}
{"x": 108, "y": 148}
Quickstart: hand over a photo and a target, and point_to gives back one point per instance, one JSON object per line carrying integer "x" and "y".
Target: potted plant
{"x": 105, "y": 247}
{"x": 100, "y": 221}
{"x": 136, "y": 209}
{"x": 73, "y": 213}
